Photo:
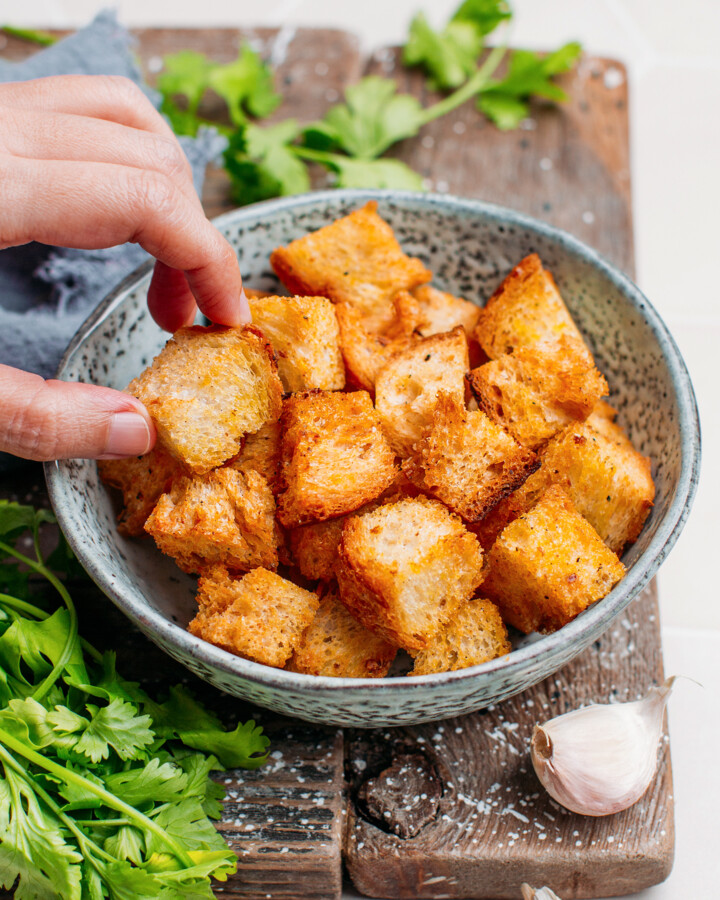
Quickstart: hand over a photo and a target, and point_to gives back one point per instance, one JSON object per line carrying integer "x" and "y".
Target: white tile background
{"x": 672, "y": 53}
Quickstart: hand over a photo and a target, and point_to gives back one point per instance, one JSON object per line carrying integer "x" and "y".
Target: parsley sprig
{"x": 104, "y": 791}
{"x": 351, "y": 139}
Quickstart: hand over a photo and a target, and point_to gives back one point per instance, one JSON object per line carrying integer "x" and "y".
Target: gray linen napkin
{"x": 47, "y": 292}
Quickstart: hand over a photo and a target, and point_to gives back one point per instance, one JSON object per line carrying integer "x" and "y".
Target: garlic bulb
{"x": 601, "y": 759}
{"x": 543, "y": 893}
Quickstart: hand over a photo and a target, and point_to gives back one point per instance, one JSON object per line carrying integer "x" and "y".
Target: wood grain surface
{"x": 468, "y": 818}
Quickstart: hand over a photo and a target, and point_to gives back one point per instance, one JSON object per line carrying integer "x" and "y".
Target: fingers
{"x": 45, "y": 420}
{"x": 98, "y": 204}
{"x": 49, "y": 135}
{"x": 170, "y": 300}
{"x": 109, "y": 97}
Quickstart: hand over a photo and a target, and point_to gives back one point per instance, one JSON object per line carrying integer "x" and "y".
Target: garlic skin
{"x": 599, "y": 760}
{"x": 543, "y": 893}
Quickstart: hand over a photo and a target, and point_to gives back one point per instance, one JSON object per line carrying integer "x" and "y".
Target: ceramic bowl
{"x": 470, "y": 246}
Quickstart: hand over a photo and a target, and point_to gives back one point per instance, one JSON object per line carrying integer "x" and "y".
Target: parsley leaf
{"x": 115, "y": 726}
{"x": 485, "y": 15}
{"x": 505, "y": 101}
{"x": 246, "y": 85}
{"x": 261, "y": 163}
{"x": 448, "y": 56}
{"x": 373, "y": 117}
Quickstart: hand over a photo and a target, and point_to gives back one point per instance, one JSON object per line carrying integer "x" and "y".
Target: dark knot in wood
{"x": 403, "y": 798}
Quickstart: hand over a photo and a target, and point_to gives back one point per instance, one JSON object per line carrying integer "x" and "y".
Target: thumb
{"x": 45, "y": 420}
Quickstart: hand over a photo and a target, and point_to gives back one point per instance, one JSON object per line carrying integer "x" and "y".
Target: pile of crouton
{"x": 347, "y": 483}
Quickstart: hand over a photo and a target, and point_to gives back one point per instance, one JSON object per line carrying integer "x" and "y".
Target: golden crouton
{"x": 366, "y": 351}
{"x": 405, "y": 567}
{"x": 304, "y": 334}
{"x": 337, "y": 645}
{"x": 223, "y": 517}
{"x": 525, "y": 310}
{"x": 443, "y": 312}
{"x": 602, "y": 419}
{"x": 315, "y": 547}
{"x": 549, "y": 565}
{"x": 355, "y": 260}
{"x": 407, "y": 386}
{"x": 609, "y": 483}
{"x": 260, "y": 616}
{"x": 254, "y": 293}
{"x": 207, "y": 388}
{"x": 334, "y": 456}
{"x": 466, "y": 460}
{"x": 476, "y": 634}
{"x": 535, "y": 392}
{"x": 261, "y": 453}
{"x": 142, "y": 479}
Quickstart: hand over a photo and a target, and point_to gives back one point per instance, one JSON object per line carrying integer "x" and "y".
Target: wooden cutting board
{"x": 471, "y": 821}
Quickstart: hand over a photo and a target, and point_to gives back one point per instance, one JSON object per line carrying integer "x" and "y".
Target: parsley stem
{"x": 471, "y": 87}
{"x": 108, "y": 799}
{"x": 71, "y": 824}
{"x": 71, "y": 641}
{"x": 44, "y": 38}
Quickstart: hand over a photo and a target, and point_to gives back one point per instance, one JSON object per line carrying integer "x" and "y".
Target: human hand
{"x": 87, "y": 162}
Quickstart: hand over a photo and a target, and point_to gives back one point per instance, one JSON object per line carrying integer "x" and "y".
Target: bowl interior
{"x": 470, "y": 247}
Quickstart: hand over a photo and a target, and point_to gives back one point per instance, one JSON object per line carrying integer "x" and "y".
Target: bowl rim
{"x": 577, "y": 633}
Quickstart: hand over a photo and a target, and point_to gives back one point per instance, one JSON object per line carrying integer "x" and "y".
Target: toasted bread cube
{"x": 525, "y": 310}
{"x": 261, "y": 453}
{"x": 315, "y": 547}
{"x": 336, "y": 645}
{"x": 609, "y": 482}
{"x": 407, "y": 386}
{"x": 334, "y": 456}
{"x": 466, "y": 460}
{"x": 549, "y": 565}
{"x": 537, "y": 391}
{"x": 366, "y": 351}
{"x": 142, "y": 479}
{"x": 602, "y": 419}
{"x": 207, "y": 388}
{"x": 442, "y": 311}
{"x": 260, "y": 616}
{"x": 476, "y": 634}
{"x": 404, "y": 568}
{"x": 355, "y": 260}
{"x": 304, "y": 334}
{"x": 254, "y": 293}
{"x": 223, "y": 517}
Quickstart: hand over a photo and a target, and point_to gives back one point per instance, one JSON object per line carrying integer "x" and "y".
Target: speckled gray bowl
{"x": 469, "y": 246}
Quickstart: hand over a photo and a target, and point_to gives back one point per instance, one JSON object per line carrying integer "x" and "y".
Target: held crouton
{"x": 535, "y": 392}
{"x": 466, "y": 460}
{"x": 355, "y": 260}
{"x": 476, "y": 634}
{"x": 443, "y": 312}
{"x": 260, "y": 616}
{"x": 142, "y": 479}
{"x": 366, "y": 351}
{"x": 223, "y": 517}
{"x": 609, "y": 482}
{"x": 549, "y": 565}
{"x": 207, "y": 388}
{"x": 525, "y": 310}
{"x": 337, "y": 645}
{"x": 315, "y": 547}
{"x": 404, "y": 568}
{"x": 261, "y": 453}
{"x": 334, "y": 456}
{"x": 304, "y": 334}
{"x": 407, "y": 386}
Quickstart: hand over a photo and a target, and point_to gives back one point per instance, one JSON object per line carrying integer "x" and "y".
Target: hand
{"x": 86, "y": 161}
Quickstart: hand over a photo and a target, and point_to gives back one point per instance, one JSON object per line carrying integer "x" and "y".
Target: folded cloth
{"x": 47, "y": 292}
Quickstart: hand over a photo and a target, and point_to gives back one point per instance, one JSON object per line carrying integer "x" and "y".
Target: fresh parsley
{"x": 104, "y": 791}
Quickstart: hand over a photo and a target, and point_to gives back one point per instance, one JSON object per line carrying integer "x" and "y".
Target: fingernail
{"x": 128, "y": 435}
{"x": 245, "y": 314}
